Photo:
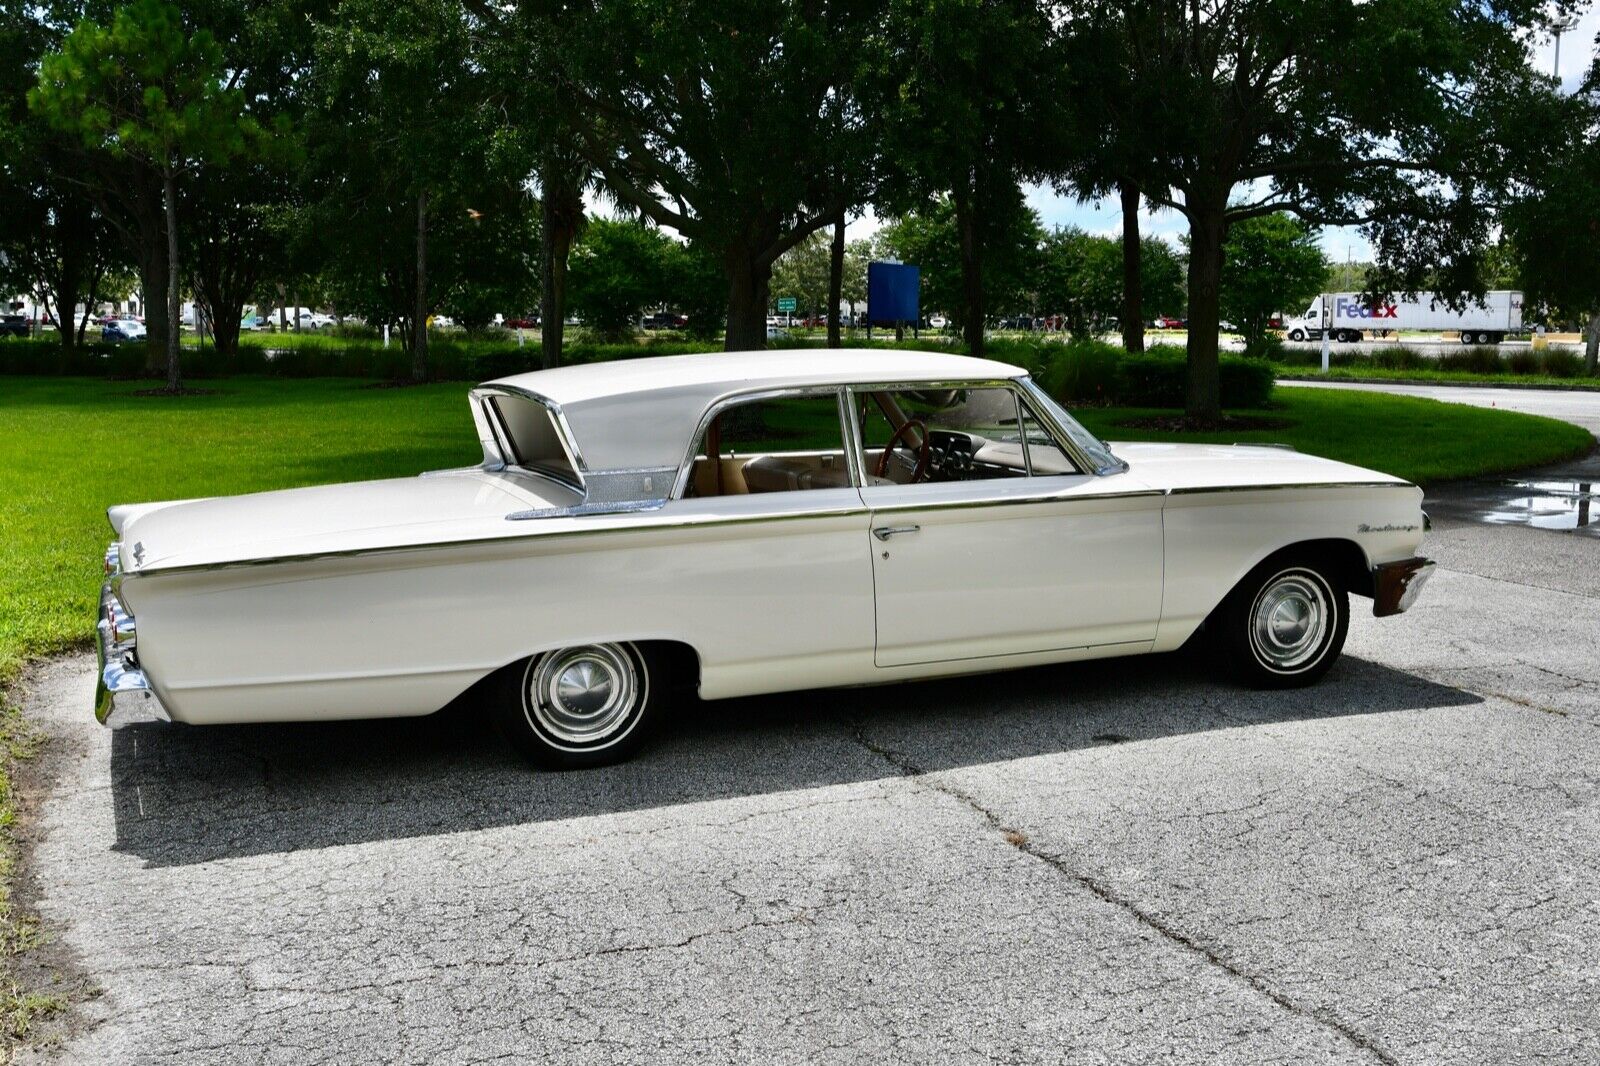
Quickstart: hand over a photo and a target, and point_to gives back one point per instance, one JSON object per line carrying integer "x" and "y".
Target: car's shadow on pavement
{"x": 194, "y": 794}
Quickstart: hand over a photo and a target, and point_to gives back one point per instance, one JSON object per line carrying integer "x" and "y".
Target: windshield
{"x": 1093, "y": 448}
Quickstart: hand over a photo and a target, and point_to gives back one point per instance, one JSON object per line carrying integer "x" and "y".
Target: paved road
{"x": 1578, "y": 406}
{"x": 1116, "y": 862}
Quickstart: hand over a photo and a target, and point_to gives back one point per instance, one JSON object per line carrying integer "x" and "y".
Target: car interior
{"x": 910, "y": 436}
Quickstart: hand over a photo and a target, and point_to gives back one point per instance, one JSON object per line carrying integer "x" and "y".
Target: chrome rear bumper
{"x": 1396, "y": 586}
{"x": 123, "y": 694}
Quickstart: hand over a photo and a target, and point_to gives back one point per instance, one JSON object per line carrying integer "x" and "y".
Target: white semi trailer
{"x": 1347, "y": 315}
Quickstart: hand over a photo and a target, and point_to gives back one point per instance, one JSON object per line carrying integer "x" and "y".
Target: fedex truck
{"x": 1346, "y": 315}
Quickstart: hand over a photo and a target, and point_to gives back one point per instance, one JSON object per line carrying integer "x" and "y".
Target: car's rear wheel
{"x": 587, "y": 705}
{"x": 1284, "y": 625}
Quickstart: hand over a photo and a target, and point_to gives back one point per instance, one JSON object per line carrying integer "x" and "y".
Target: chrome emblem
{"x": 138, "y": 552}
{"x": 1364, "y": 528}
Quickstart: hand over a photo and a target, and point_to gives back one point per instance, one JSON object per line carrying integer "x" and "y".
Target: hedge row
{"x": 1080, "y": 372}
{"x": 448, "y": 361}
{"x": 1551, "y": 362}
{"x": 1094, "y": 372}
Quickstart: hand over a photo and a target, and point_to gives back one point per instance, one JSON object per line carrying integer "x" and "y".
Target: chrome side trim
{"x": 1015, "y": 501}
{"x": 698, "y": 522}
{"x": 1200, "y": 490}
{"x": 585, "y": 509}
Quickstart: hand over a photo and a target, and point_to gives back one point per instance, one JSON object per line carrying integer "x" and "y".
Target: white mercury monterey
{"x": 737, "y": 524}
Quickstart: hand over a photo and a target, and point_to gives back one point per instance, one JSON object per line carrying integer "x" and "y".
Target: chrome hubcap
{"x": 1289, "y": 621}
{"x": 582, "y": 695}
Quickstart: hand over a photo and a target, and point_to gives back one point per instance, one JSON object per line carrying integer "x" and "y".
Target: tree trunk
{"x": 1132, "y": 279}
{"x": 972, "y": 319}
{"x": 835, "y": 282}
{"x": 559, "y": 230}
{"x": 1591, "y": 345}
{"x": 1207, "y": 229}
{"x": 174, "y": 310}
{"x": 153, "y": 285}
{"x": 419, "y": 315}
{"x": 225, "y": 329}
{"x": 748, "y": 285}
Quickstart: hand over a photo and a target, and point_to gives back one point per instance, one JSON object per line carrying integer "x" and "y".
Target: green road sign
{"x": 786, "y": 304}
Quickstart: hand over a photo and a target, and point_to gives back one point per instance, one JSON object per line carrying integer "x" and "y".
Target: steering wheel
{"x": 923, "y": 453}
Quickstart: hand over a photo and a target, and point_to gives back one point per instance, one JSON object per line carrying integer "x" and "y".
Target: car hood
{"x": 1191, "y": 467}
{"x": 360, "y": 516}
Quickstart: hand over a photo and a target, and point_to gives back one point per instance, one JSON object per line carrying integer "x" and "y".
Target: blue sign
{"x": 893, "y": 290}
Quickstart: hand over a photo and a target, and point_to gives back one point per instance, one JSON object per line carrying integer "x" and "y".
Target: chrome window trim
{"x": 1018, "y": 387}
{"x": 569, "y": 443}
{"x": 1022, "y": 434}
{"x": 1070, "y": 448}
{"x": 680, "y": 484}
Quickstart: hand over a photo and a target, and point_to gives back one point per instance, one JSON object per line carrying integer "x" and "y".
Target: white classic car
{"x": 737, "y": 524}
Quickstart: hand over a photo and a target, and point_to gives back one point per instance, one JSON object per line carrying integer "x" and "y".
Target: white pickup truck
{"x": 1348, "y": 315}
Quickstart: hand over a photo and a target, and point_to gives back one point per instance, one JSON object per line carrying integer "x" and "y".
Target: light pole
{"x": 1555, "y": 66}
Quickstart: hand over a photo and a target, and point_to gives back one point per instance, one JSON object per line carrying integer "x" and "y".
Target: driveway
{"x": 1114, "y": 862}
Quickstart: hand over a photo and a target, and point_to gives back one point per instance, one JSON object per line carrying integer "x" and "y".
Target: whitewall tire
{"x": 587, "y": 705}
{"x": 1284, "y": 625}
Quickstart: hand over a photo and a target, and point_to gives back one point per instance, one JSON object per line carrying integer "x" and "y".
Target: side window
{"x": 1044, "y": 454}
{"x": 912, "y": 436}
{"x": 773, "y": 444}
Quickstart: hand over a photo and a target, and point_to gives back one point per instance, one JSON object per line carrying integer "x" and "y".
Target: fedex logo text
{"x": 1343, "y": 307}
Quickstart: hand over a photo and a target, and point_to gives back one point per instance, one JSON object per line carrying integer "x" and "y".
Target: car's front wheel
{"x": 582, "y": 706}
{"x": 1284, "y": 625}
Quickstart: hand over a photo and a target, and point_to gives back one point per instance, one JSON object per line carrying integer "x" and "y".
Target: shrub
{"x": 1563, "y": 363}
{"x": 1159, "y": 381}
{"x": 1083, "y": 371}
{"x": 1481, "y": 359}
{"x": 1523, "y": 361}
{"x": 1399, "y": 357}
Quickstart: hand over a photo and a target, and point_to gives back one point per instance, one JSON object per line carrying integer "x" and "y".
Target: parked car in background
{"x": 523, "y": 322}
{"x": 15, "y": 326}
{"x": 251, "y": 323}
{"x": 938, "y": 321}
{"x": 641, "y": 531}
{"x": 665, "y": 320}
{"x": 1168, "y": 322}
{"x": 122, "y": 329}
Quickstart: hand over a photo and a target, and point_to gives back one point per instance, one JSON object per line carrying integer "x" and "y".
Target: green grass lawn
{"x": 1420, "y": 440}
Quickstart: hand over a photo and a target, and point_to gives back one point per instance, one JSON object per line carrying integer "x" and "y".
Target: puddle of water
{"x": 1546, "y": 503}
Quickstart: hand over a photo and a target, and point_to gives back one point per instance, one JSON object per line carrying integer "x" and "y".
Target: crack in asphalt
{"x": 909, "y": 769}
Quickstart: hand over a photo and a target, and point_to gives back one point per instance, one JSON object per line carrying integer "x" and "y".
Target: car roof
{"x": 641, "y": 413}
{"x": 724, "y": 372}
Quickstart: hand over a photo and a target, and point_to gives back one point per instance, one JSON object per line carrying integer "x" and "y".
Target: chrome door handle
{"x": 885, "y": 532}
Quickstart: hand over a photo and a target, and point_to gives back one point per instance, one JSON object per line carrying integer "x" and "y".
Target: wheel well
{"x": 1343, "y": 558}
{"x": 682, "y": 662}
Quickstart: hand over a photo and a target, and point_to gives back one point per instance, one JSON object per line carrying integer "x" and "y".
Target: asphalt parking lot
{"x": 1113, "y": 862}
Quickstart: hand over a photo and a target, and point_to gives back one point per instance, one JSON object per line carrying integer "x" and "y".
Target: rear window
{"x": 535, "y": 442}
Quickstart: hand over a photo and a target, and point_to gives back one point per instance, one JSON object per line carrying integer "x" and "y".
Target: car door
{"x": 1008, "y": 551}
